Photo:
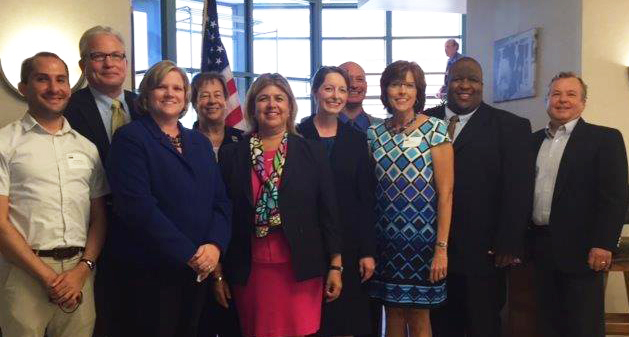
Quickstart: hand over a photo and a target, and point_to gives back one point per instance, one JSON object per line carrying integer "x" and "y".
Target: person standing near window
{"x": 353, "y": 113}
{"x": 209, "y": 98}
{"x": 354, "y": 181}
{"x": 415, "y": 174}
{"x": 452, "y": 52}
{"x": 285, "y": 254}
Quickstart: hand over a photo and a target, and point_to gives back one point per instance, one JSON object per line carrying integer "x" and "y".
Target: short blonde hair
{"x": 152, "y": 79}
{"x": 258, "y": 85}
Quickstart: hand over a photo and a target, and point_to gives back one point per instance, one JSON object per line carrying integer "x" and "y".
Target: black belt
{"x": 59, "y": 253}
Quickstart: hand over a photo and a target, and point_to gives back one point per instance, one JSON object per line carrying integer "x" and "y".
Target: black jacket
{"x": 82, "y": 114}
{"x": 232, "y": 135}
{"x": 307, "y": 202}
{"x": 590, "y": 196}
{"x": 493, "y": 188}
{"x": 354, "y": 179}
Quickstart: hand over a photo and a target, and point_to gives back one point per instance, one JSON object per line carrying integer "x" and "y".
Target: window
{"x": 280, "y": 41}
{"x": 147, "y": 39}
{"x": 281, "y": 44}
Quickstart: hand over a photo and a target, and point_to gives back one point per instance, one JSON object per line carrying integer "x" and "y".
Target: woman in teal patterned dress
{"x": 415, "y": 173}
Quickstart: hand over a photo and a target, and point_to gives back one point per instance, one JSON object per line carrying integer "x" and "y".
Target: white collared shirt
{"x": 49, "y": 180}
{"x": 546, "y": 168}
{"x": 463, "y": 119}
{"x": 103, "y": 103}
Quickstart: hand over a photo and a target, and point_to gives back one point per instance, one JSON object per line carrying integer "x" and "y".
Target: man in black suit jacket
{"x": 90, "y": 112}
{"x": 104, "y": 65}
{"x": 493, "y": 174}
{"x": 578, "y": 213}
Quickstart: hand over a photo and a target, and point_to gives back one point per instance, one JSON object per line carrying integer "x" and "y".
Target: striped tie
{"x": 118, "y": 118}
{"x": 452, "y": 125}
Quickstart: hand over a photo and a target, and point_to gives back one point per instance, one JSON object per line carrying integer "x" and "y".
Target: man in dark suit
{"x": 98, "y": 109}
{"x": 579, "y": 207}
{"x": 96, "y": 112}
{"x": 492, "y": 201}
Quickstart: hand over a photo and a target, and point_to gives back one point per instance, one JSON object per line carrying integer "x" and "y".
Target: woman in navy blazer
{"x": 175, "y": 214}
{"x": 285, "y": 252}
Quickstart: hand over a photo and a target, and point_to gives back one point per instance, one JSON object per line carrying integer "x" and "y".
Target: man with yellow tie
{"x": 99, "y": 109}
{"x": 96, "y": 111}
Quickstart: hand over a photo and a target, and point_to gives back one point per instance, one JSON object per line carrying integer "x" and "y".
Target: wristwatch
{"x": 90, "y": 264}
{"x": 442, "y": 244}
{"x": 339, "y": 268}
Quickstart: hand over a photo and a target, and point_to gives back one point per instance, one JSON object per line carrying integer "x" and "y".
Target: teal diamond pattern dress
{"x": 406, "y": 215}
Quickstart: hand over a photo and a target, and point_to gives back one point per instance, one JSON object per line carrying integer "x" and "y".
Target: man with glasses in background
{"x": 96, "y": 111}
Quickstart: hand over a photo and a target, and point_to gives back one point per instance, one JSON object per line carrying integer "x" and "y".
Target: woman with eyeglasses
{"x": 285, "y": 253}
{"x": 415, "y": 175}
{"x": 354, "y": 181}
{"x": 209, "y": 99}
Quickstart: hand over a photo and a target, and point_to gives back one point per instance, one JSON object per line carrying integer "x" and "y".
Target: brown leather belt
{"x": 59, "y": 253}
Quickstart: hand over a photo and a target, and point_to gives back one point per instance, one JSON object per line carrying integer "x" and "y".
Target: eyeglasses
{"x": 101, "y": 57}
{"x": 406, "y": 85}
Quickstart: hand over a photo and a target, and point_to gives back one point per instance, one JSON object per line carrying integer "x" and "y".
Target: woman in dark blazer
{"x": 354, "y": 179}
{"x": 173, "y": 210}
{"x": 286, "y": 237}
{"x": 209, "y": 99}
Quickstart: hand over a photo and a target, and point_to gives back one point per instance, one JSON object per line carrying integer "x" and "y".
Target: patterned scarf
{"x": 267, "y": 207}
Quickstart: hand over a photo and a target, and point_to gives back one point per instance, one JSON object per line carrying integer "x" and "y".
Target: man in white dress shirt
{"x": 579, "y": 205}
{"x": 52, "y": 213}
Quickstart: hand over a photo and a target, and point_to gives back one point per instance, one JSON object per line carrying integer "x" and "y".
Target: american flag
{"x": 214, "y": 58}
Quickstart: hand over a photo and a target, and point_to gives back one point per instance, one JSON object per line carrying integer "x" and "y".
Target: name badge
{"x": 412, "y": 142}
{"x": 77, "y": 161}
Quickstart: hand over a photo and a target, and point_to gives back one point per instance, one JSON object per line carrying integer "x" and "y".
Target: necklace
{"x": 175, "y": 141}
{"x": 389, "y": 124}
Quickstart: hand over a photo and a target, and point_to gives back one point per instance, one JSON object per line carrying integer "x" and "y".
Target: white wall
{"x": 586, "y": 36}
{"x": 57, "y": 25}
{"x": 559, "y": 43}
{"x": 605, "y": 58}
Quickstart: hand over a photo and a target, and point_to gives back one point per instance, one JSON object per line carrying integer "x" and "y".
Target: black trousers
{"x": 216, "y": 320}
{"x": 569, "y": 304}
{"x": 473, "y": 306}
{"x": 375, "y": 308}
{"x": 158, "y": 303}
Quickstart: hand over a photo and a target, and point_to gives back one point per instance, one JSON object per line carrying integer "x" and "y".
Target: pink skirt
{"x": 273, "y": 303}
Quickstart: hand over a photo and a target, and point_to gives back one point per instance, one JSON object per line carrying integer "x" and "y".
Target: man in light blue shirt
{"x": 354, "y": 114}
{"x": 452, "y": 51}
{"x": 97, "y": 110}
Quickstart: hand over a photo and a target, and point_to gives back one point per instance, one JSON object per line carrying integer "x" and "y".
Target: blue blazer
{"x": 169, "y": 203}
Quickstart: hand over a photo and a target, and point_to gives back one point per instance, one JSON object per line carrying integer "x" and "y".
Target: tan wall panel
{"x": 29, "y": 26}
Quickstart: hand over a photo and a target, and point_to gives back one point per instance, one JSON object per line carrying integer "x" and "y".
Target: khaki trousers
{"x": 25, "y": 310}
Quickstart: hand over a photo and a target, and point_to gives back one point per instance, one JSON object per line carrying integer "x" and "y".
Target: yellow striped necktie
{"x": 118, "y": 117}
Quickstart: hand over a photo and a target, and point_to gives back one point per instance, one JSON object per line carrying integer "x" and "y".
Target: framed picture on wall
{"x": 514, "y": 66}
